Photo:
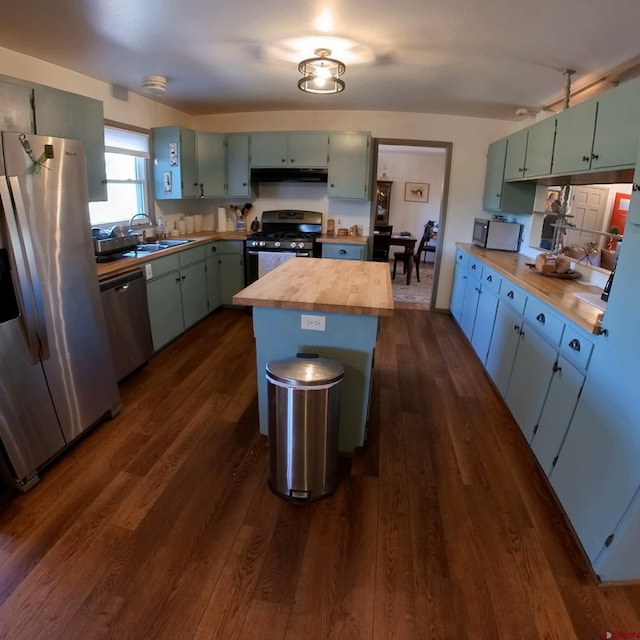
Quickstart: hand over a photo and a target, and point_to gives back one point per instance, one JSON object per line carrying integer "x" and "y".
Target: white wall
{"x": 470, "y": 138}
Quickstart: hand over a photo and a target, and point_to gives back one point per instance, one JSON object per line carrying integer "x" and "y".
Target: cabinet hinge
{"x": 555, "y": 460}
{"x": 535, "y": 429}
{"x": 609, "y": 540}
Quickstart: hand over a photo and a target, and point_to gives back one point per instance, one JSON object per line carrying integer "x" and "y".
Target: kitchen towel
{"x": 269, "y": 260}
{"x": 222, "y": 219}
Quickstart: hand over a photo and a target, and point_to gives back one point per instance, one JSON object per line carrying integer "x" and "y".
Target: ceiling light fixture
{"x": 154, "y": 85}
{"x": 321, "y": 74}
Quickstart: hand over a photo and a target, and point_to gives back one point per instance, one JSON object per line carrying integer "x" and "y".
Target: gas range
{"x": 284, "y": 241}
{"x": 287, "y": 230}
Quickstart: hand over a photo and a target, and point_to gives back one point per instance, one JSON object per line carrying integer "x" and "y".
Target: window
{"x": 126, "y": 159}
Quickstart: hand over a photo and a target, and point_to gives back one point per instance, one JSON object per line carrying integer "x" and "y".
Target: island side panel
{"x": 349, "y": 339}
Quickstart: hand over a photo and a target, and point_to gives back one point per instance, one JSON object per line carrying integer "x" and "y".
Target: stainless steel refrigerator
{"x": 56, "y": 374}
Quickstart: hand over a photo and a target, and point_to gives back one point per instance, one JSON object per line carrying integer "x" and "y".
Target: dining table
{"x": 408, "y": 241}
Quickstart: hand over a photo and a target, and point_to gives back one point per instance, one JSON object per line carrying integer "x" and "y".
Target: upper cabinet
{"x": 175, "y": 167}
{"x": 530, "y": 151}
{"x": 16, "y": 113}
{"x": 211, "y": 157}
{"x": 238, "y": 172}
{"x": 600, "y": 133}
{"x": 292, "y": 149}
{"x": 501, "y": 196}
{"x": 349, "y": 165}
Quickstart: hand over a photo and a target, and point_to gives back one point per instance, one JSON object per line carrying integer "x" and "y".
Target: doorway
{"x": 405, "y": 164}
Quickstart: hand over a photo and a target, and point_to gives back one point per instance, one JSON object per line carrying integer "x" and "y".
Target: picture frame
{"x": 553, "y": 195}
{"x": 416, "y": 192}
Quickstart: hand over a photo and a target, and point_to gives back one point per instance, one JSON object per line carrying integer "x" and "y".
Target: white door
{"x": 588, "y": 206}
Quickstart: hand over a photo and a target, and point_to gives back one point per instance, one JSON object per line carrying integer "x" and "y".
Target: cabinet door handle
{"x": 178, "y": 279}
{"x": 636, "y": 187}
{"x": 540, "y": 318}
{"x": 284, "y": 159}
{"x": 214, "y": 249}
{"x": 489, "y": 279}
{"x": 478, "y": 290}
{"x": 516, "y": 327}
{"x": 575, "y": 344}
{"x": 183, "y": 277}
{"x": 594, "y": 156}
{"x": 585, "y": 158}
{"x": 473, "y": 266}
{"x": 510, "y": 295}
{"x": 342, "y": 252}
{"x": 556, "y": 368}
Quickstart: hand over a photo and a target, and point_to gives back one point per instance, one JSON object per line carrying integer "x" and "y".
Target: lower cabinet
{"x": 231, "y": 264}
{"x": 485, "y": 313}
{"x": 503, "y": 346}
{"x": 343, "y": 251}
{"x": 214, "y": 288}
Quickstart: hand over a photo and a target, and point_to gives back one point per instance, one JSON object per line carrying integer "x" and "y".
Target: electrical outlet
{"x": 147, "y": 272}
{"x": 312, "y": 323}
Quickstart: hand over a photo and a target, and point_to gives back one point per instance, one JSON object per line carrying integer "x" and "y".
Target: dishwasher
{"x": 124, "y": 300}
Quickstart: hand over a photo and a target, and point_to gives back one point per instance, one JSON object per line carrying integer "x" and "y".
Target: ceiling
{"x": 459, "y": 57}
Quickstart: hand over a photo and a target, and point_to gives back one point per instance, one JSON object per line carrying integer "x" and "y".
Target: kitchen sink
{"x": 153, "y": 247}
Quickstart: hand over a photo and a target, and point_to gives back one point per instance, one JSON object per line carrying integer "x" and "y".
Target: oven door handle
{"x": 299, "y": 254}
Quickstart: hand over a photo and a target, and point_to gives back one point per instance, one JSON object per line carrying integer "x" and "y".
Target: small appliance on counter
{"x": 497, "y": 233}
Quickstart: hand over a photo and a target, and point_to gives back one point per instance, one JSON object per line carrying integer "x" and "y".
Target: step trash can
{"x": 304, "y": 416}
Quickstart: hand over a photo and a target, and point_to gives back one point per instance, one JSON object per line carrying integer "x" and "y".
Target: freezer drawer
{"x": 124, "y": 300}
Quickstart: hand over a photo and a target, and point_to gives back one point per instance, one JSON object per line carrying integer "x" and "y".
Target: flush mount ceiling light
{"x": 321, "y": 74}
{"x": 154, "y": 85}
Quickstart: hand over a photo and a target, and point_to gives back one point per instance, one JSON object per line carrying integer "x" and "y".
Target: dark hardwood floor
{"x": 160, "y": 523}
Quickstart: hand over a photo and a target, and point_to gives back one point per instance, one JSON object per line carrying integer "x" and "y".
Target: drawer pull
{"x": 473, "y": 266}
{"x": 510, "y": 295}
{"x": 342, "y": 252}
{"x": 557, "y": 368}
{"x": 585, "y": 158}
{"x": 214, "y": 249}
{"x": 489, "y": 279}
{"x": 540, "y": 318}
{"x": 575, "y": 344}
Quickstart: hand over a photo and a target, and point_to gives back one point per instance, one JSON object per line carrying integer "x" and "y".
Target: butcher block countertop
{"x": 122, "y": 265}
{"x": 556, "y": 292}
{"x": 335, "y": 239}
{"x": 322, "y": 284}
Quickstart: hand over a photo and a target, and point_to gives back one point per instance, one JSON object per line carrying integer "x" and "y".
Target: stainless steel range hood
{"x": 288, "y": 174}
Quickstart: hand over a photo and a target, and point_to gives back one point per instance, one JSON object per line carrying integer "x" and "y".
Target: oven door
{"x": 256, "y": 266}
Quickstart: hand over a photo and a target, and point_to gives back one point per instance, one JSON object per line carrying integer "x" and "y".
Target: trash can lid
{"x": 307, "y": 370}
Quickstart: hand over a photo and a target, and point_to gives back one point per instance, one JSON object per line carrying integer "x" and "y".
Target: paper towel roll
{"x": 222, "y": 219}
{"x": 190, "y": 224}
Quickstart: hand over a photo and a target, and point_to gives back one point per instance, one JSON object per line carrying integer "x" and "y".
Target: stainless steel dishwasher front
{"x": 124, "y": 300}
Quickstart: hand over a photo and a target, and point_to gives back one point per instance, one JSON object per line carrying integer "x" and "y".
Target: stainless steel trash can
{"x": 304, "y": 416}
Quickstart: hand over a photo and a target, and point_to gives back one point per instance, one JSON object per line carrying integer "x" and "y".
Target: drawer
{"x": 161, "y": 266}
{"x": 576, "y": 347}
{"x": 195, "y": 254}
{"x": 544, "y": 320}
{"x": 513, "y": 295}
{"x": 211, "y": 249}
{"x": 230, "y": 246}
{"x": 491, "y": 280}
{"x": 343, "y": 251}
{"x": 462, "y": 258}
{"x": 475, "y": 268}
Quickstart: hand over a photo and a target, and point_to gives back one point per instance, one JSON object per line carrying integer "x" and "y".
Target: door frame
{"x": 442, "y": 216}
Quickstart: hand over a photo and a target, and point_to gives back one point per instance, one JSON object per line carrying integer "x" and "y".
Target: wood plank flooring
{"x": 159, "y": 524}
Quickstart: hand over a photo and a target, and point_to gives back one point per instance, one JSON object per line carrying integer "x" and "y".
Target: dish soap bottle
{"x": 160, "y": 231}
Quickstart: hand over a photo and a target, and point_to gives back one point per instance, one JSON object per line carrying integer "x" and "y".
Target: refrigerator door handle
{"x": 30, "y": 298}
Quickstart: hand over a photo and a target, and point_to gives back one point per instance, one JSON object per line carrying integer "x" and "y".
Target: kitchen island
{"x": 328, "y": 307}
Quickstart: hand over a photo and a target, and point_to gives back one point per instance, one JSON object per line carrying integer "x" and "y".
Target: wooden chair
{"x": 423, "y": 247}
{"x": 382, "y": 242}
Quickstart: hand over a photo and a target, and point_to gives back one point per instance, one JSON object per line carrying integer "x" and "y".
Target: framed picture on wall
{"x": 416, "y": 192}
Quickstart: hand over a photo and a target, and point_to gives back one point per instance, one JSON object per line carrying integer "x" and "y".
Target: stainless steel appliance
{"x": 497, "y": 234}
{"x": 57, "y": 377}
{"x": 124, "y": 301}
{"x": 283, "y": 231}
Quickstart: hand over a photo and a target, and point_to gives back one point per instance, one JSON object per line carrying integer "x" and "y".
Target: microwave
{"x": 497, "y": 234}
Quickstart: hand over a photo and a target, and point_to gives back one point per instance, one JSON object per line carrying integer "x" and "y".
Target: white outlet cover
{"x": 312, "y": 323}
{"x": 148, "y": 273}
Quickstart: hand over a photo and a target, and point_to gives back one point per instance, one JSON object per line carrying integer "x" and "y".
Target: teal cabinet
{"x": 471, "y": 297}
{"x": 504, "y": 344}
{"x": 68, "y": 115}
{"x": 600, "y": 133}
{"x": 16, "y": 113}
{"x": 559, "y": 405}
{"x": 349, "y": 166}
{"x": 292, "y": 149}
{"x": 231, "y": 263}
{"x": 485, "y": 313}
{"x": 501, "y": 196}
{"x": 459, "y": 284}
{"x": 597, "y": 474}
{"x": 214, "y": 291}
{"x": 238, "y": 172}
{"x": 530, "y": 151}
{"x": 175, "y": 168}
{"x": 164, "y": 301}
{"x": 195, "y": 305}
{"x": 343, "y": 251}
{"x": 211, "y": 160}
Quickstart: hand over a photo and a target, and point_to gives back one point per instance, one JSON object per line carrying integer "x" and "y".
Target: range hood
{"x": 288, "y": 174}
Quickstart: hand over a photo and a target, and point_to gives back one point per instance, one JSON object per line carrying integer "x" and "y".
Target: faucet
{"x": 142, "y": 216}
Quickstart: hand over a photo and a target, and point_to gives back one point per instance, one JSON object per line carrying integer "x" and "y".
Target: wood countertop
{"x": 322, "y": 284}
{"x": 335, "y": 239}
{"x": 122, "y": 265}
{"x": 556, "y": 292}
